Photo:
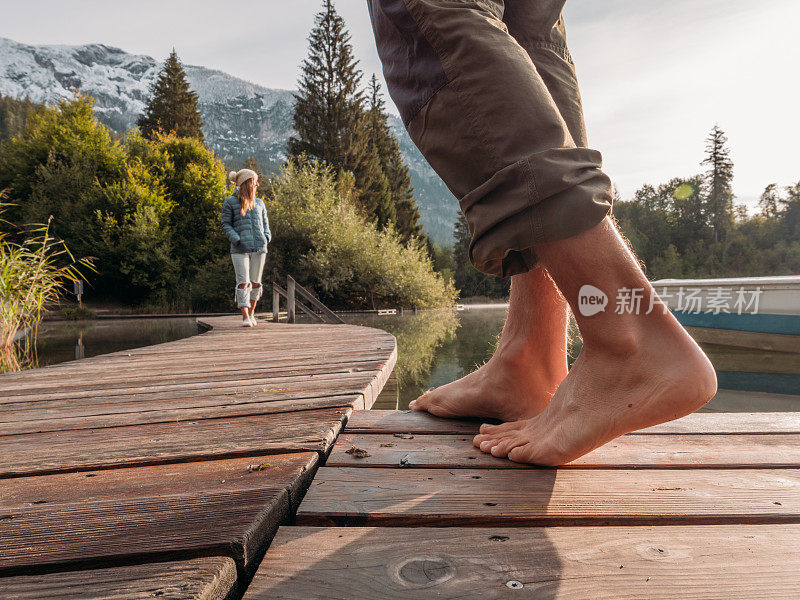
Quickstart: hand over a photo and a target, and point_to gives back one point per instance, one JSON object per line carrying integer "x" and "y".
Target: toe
{"x": 421, "y": 403}
{"x": 504, "y": 446}
{"x": 499, "y": 450}
{"x": 487, "y": 445}
{"x": 519, "y": 454}
{"x": 501, "y": 428}
{"x": 534, "y": 454}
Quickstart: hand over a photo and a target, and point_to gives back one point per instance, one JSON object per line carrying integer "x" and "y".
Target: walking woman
{"x": 244, "y": 221}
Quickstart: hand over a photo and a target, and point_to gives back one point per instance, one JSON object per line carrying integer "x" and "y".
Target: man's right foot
{"x": 527, "y": 367}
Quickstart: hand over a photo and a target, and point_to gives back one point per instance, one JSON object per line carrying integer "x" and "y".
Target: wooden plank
{"x": 87, "y": 449}
{"x": 342, "y": 383}
{"x": 267, "y": 362}
{"x": 206, "y": 506}
{"x": 276, "y": 389}
{"x": 471, "y": 497}
{"x": 200, "y": 371}
{"x": 730, "y": 423}
{"x": 206, "y": 578}
{"x": 406, "y": 421}
{"x": 604, "y": 563}
{"x": 628, "y": 452}
{"x": 111, "y": 485}
{"x": 182, "y": 409}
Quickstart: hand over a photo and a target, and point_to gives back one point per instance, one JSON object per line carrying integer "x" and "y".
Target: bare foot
{"x": 513, "y": 385}
{"x": 610, "y": 392}
{"x": 530, "y": 361}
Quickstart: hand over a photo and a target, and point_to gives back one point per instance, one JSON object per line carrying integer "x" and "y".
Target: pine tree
{"x": 769, "y": 201}
{"x": 14, "y": 114}
{"x": 718, "y": 178}
{"x": 393, "y": 165}
{"x": 173, "y": 106}
{"x": 330, "y": 118}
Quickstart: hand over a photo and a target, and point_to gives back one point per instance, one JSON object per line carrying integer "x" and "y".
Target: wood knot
{"x": 424, "y": 572}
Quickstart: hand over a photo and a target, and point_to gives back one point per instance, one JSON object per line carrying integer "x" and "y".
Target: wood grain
{"x": 227, "y": 506}
{"x": 207, "y": 578}
{"x": 471, "y": 497}
{"x": 341, "y": 383}
{"x": 174, "y": 410}
{"x": 698, "y": 423}
{"x": 630, "y": 451}
{"x": 561, "y": 563}
{"x": 201, "y": 372}
{"x": 87, "y": 449}
{"x": 408, "y": 421}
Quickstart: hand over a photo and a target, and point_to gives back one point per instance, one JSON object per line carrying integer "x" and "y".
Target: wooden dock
{"x": 704, "y": 507}
{"x": 164, "y": 472}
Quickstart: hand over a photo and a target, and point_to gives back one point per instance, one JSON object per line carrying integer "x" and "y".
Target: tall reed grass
{"x": 34, "y": 272}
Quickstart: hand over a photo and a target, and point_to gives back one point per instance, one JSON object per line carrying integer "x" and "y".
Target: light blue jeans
{"x": 249, "y": 267}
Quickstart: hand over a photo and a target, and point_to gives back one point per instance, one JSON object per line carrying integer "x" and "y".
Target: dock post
{"x": 276, "y": 305}
{"x": 290, "y": 298}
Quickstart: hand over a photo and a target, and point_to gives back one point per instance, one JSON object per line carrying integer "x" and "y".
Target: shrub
{"x": 322, "y": 241}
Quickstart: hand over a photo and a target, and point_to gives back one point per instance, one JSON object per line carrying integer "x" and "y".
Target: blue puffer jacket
{"x": 249, "y": 232}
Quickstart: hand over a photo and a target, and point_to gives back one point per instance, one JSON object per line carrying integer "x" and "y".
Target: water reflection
{"x": 420, "y": 342}
{"x": 61, "y": 341}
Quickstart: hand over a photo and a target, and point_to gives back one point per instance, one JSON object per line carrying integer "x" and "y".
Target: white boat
{"x": 750, "y": 312}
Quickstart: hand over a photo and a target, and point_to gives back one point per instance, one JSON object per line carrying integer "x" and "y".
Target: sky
{"x": 655, "y": 75}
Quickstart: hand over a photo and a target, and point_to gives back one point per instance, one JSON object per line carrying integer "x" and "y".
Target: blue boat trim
{"x": 761, "y": 323}
{"x": 771, "y": 383}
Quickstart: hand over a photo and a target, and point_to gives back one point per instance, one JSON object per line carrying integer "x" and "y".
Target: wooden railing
{"x": 294, "y": 289}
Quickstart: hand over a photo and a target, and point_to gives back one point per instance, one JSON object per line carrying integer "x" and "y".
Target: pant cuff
{"x": 551, "y": 195}
{"x": 243, "y": 296}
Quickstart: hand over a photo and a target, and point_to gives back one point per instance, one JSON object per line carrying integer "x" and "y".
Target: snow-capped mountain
{"x": 239, "y": 117}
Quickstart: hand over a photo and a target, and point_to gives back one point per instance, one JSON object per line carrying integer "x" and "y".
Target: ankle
{"x": 627, "y": 336}
{"x": 527, "y": 356}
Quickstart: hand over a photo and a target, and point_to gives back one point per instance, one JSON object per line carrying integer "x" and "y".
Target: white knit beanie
{"x": 237, "y": 178}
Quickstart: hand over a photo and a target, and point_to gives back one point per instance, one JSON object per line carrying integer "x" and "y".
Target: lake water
{"x": 60, "y": 341}
{"x": 436, "y": 347}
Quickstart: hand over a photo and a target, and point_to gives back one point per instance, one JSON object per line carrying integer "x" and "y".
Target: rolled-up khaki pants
{"x": 487, "y": 91}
